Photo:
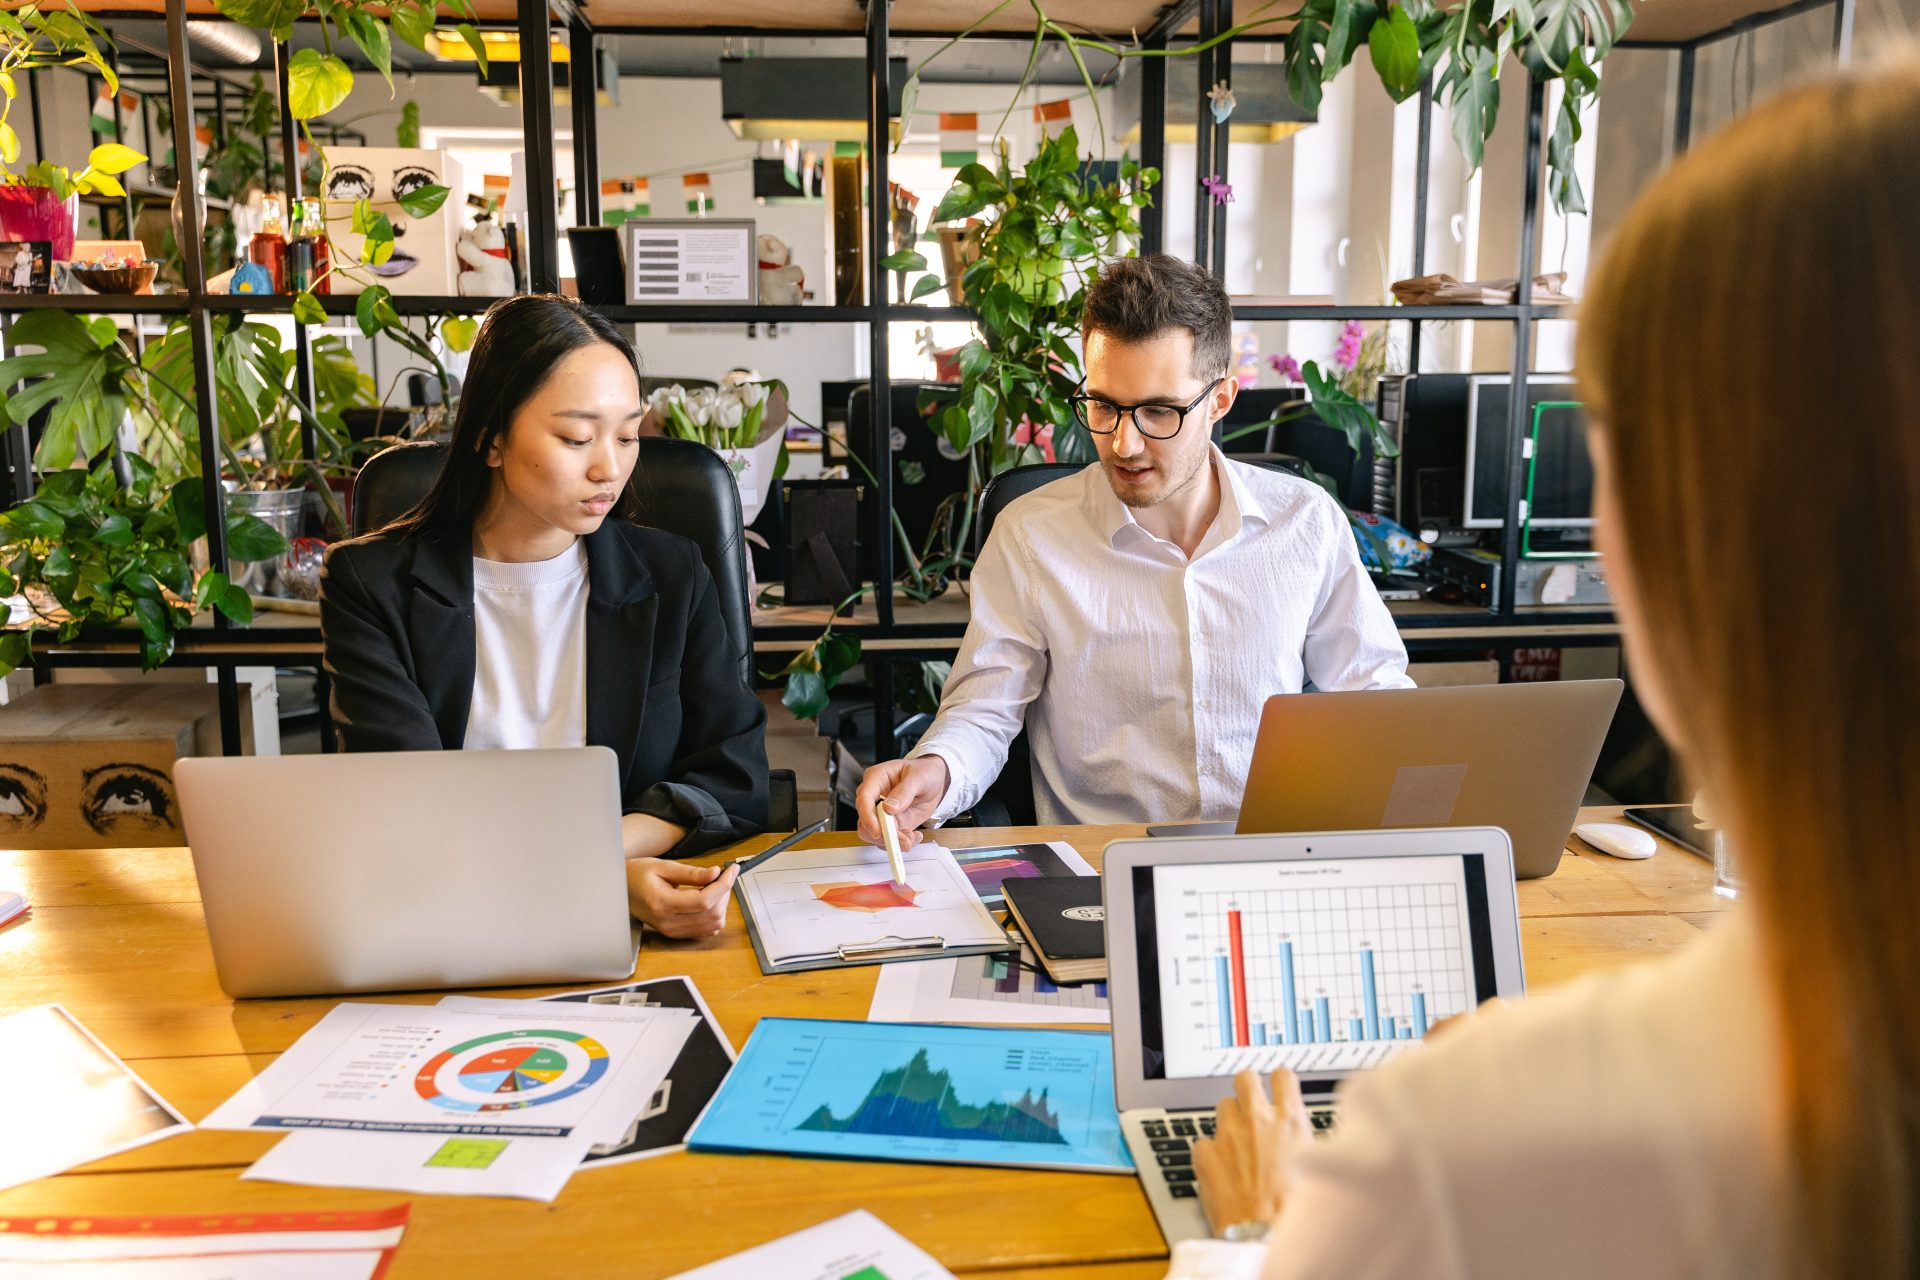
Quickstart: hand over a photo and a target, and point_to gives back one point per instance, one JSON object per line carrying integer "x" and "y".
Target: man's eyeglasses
{"x": 1155, "y": 421}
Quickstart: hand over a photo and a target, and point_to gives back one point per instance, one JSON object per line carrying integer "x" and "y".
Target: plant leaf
{"x": 411, "y": 22}
{"x": 805, "y": 694}
{"x": 423, "y": 201}
{"x": 251, "y": 538}
{"x": 114, "y": 157}
{"x": 316, "y": 83}
{"x": 459, "y": 332}
{"x": 115, "y": 531}
{"x": 905, "y": 260}
{"x": 77, "y": 376}
{"x": 276, "y": 16}
{"x": 471, "y": 35}
{"x": 307, "y": 308}
{"x": 105, "y": 184}
{"x": 363, "y": 310}
{"x": 374, "y": 40}
{"x": 34, "y": 520}
{"x": 1395, "y": 45}
{"x": 924, "y": 286}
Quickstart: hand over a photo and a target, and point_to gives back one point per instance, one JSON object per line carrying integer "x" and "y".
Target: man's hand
{"x": 912, "y": 789}
{"x": 1245, "y": 1168}
{"x": 678, "y": 900}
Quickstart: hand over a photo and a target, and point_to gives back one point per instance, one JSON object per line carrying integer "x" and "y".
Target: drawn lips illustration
{"x": 398, "y": 265}
{"x": 851, "y": 895}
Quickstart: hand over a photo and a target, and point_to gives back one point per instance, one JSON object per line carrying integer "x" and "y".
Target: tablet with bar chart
{"x": 1319, "y": 965}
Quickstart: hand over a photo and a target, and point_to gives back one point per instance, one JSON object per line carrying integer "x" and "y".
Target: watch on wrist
{"x": 1247, "y": 1230}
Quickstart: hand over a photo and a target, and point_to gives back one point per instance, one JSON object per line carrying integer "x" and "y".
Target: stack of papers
{"x": 854, "y": 1246}
{"x": 66, "y": 1099}
{"x": 12, "y": 904}
{"x": 350, "y": 1245}
{"x": 469, "y": 1097}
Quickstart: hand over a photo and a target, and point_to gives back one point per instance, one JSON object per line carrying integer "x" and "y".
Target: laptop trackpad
{"x": 1423, "y": 795}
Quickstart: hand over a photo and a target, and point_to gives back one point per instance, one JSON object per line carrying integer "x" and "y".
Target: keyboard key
{"x": 1177, "y": 1175}
{"x": 1322, "y": 1120}
{"x": 1154, "y": 1128}
{"x": 1170, "y": 1144}
{"x": 1174, "y": 1159}
{"x": 1206, "y": 1126}
{"x": 1185, "y": 1129}
{"x": 1182, "y": 1191}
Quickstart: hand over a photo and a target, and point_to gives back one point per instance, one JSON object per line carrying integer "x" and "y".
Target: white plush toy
{"x": 484, "y": 269}
{"x": 782, "y": 283}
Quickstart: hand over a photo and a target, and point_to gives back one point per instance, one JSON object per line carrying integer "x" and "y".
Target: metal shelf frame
{"x": 225, "y": 644}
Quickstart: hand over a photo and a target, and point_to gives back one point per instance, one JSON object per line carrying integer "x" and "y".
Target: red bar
{"x": 1239, "y": 979}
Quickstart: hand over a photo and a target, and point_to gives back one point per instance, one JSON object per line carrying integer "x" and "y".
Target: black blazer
{"x": 664, "y": 688}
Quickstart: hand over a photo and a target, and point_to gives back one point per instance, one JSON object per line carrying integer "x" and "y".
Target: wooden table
{"x": 117, "y": 936}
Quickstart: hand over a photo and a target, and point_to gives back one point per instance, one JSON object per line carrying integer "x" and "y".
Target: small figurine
{"x": 1222, "y": 102}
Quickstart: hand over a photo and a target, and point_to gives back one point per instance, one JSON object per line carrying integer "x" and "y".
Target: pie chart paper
{"x": 807, "y": 904}
{"x": 487, "y": 1069}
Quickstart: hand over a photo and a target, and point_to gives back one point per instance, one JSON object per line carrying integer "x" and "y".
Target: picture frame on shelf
{"x": 700, "y": 261}
{"x": 26, "y": 266}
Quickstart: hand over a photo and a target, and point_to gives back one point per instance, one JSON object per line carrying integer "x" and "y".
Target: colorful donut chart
{"x": 512, "y": 1070}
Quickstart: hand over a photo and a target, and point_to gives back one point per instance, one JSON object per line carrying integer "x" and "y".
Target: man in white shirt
{"x": 1134, "y": 617}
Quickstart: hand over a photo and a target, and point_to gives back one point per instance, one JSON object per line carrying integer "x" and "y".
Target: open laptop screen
{"x": 1318, "y": 965}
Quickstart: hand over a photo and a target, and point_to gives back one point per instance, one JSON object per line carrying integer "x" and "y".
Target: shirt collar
{"x": 1238, "y": 504}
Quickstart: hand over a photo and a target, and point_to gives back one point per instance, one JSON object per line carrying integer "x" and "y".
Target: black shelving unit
{"x": 225, "y": 646}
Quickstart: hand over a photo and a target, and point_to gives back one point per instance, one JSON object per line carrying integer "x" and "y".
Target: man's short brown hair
{"x": 1136, "y": 299}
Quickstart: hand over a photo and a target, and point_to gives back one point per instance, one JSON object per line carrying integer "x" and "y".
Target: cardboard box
{"x": 91, "y": 766}
{"x": 423, "y": 248}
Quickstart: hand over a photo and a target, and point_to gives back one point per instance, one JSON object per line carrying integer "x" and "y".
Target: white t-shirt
{"x": 1627, "y": 1125}
{"x": 530, "y": 653}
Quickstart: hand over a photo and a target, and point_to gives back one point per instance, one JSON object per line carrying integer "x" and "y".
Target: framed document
{"x": 682, "y": 260}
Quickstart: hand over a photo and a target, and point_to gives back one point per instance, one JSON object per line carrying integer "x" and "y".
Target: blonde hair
{"x": 1752, "y": 354}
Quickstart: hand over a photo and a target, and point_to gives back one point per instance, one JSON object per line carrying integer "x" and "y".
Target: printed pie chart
{"x": 851, "y": 895}
{"x": 510, "y": 1070}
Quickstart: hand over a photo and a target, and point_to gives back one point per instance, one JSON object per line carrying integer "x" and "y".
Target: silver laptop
{"x": 1514, "y": 756}
{"x": 1325, "y": 953}
{"x": 391, "y": 871}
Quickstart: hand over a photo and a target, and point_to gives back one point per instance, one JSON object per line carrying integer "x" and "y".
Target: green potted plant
{"x": 39, "y": 204}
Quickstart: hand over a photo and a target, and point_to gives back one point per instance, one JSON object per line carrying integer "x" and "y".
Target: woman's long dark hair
{"x": 521, "y": 340}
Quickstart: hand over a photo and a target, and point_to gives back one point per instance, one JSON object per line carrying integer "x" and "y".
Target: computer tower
{"x": 1432, "y": 421}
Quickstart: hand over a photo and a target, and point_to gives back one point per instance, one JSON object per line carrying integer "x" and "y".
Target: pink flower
{"x": 1347, "y": 354}
{"x": 1287, "y": 367}
{"x": 1023, "y": 433}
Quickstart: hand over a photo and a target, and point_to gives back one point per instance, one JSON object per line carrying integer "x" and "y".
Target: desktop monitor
{"x": 1562, "y": 467}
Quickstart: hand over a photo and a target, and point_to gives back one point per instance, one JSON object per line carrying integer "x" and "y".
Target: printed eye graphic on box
{"x": 423, "y": 248}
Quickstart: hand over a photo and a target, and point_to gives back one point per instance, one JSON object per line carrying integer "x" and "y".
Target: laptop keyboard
{"x": 1172, "y": 1143}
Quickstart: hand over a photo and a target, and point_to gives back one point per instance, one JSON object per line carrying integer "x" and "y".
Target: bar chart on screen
{"x": 1329, "y": 972}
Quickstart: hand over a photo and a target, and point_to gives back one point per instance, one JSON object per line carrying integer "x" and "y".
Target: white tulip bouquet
{"x": 724, "y": 417}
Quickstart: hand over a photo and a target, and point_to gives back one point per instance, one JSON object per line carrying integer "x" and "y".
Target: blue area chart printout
{"x": 923, "y": 1093}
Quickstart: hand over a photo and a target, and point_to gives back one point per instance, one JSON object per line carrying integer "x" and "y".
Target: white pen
{"x": 890, "y": 833}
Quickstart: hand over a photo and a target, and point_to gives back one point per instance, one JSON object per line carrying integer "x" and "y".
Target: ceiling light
{"x": 501, "y": 46}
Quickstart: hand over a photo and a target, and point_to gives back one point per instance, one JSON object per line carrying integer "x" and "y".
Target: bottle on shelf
{"x": 268, "y": 248}
{"x": 314, "y": 230}
{"x": 299, "y": 253}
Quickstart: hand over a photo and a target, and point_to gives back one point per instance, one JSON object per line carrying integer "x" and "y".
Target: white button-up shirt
{"x": 1139, "y": 673}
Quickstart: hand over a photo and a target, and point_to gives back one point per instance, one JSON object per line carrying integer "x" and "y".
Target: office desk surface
{"x": 117, "y": 936}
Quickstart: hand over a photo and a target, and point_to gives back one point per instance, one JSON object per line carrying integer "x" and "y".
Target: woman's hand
{"x": 680, "y": 901}
{"x": 644, "y": 836}
{"x": 1245, "y": 1168}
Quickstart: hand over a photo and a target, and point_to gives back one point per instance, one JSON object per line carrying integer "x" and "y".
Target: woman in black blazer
{"x": 583, "y": 630}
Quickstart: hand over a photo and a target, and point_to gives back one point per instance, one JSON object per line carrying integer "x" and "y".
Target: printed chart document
{"x": 987, "y": 870}
{"x": 255, "y": 1246}
{"x": 842, "y": 905}
{"x": 427, "y": 1163}
{"x": 911, "y": 1091}
{"x": 489, "y": 1069}
{"x": 854, "y": 1246}
{"x": 66, "y": 1099}
{"x": 695, "y": 1077}
{"x": 984, "y": 989}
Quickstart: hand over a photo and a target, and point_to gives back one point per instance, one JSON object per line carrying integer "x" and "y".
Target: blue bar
{"x": 1259, "y": 1034}
{"x": 1406, "y": 1032}
{"x": 1419, "y": 1013}
{"x": 1226, "y": 1001}
{"x": 1369, "y": 1000}
{"x": 1355, "y": 1028}
{"x": 1043, "y": 985}
{"x": 1100, "y": 989}
{"x": 1306, "y": 1026}
{"x": 1323, "y": 1020}
{"x": 1288, "y": 1028}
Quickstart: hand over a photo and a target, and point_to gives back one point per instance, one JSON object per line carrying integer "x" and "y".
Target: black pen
{"x": 781, "y": 846}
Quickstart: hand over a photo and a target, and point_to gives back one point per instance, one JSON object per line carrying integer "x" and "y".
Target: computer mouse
{"x": 1620, "y": 841}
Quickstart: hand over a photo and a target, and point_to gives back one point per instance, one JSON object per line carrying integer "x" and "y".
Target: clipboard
{"x": 881, "y": 949}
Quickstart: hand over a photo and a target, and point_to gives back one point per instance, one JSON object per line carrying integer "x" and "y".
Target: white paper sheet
{"x": 66, "y": 1099}
{"x": 429, "y": 1163}
{"x": 853, "y": 1246}
{"x": 809, "y": 903}
{"x": 969, "y": 989}
{"x": 505, "y": 1070}
{"x": 345, "y": 1245}
{"x": 340, "y": 1265}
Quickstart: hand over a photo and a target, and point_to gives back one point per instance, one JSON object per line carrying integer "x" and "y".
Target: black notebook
{"x": 1063, "y": 918}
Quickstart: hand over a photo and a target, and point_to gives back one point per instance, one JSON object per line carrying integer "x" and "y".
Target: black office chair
{"x": 684, "y": 488}
{"x": 1008, "y": 800}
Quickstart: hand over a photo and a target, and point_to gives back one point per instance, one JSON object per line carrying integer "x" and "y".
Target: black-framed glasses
{"x": 1154, "y": 421}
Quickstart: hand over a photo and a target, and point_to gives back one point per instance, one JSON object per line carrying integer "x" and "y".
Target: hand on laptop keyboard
{"x": 1243, "y": 1170}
